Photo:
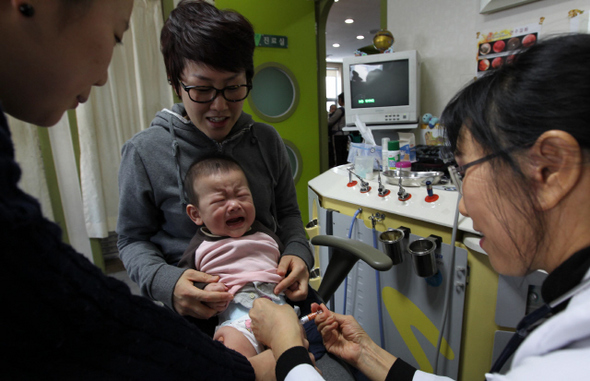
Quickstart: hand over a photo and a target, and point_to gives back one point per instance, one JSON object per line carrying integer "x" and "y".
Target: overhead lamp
{"x": 360, "y": 37}
{"x": 349, "y": 21}
{"x": 336, "y": 45}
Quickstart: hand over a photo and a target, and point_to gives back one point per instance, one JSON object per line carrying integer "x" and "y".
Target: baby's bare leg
{"x": 234, "y": 339}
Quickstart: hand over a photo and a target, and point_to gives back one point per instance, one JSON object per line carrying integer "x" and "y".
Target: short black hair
{"x": 199, "y": 32}
{"x": 206, "y": 166}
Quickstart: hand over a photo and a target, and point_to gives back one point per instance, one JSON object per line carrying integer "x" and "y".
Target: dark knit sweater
{"x": 63, "y": 319}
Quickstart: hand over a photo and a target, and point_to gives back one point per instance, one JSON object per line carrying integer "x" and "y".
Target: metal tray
{"x": 412, "y": 179}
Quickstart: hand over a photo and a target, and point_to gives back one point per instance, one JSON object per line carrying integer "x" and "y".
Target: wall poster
{"x": 497, "y": 48}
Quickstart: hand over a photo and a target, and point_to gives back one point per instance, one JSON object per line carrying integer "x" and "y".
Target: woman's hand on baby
{"x": 189, "y": 300}
{"x": 264, "y": 365}
{"x": 296, "y": 278}
{"x": 217, "y": 287}
{"x": 276, "y": 326}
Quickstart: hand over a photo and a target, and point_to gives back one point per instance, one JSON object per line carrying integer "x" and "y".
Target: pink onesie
{"x": 237, "y": 261}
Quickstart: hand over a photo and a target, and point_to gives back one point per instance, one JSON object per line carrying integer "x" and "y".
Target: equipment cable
{"x": 449, "y": 285}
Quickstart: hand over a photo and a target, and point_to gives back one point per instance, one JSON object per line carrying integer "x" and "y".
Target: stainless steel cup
{"x": 423, "y": 257}
{"x": 392, "y": 241}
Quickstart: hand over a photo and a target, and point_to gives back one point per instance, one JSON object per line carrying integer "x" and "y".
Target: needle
{"x": 309, "y": 317}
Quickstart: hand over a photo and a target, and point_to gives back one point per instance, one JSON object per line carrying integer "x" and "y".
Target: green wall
{"x": 296, "y": 20}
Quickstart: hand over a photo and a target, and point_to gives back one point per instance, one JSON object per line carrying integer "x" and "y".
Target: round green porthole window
{"x": 294, "y": 159}
{"x": 275, "y": 92}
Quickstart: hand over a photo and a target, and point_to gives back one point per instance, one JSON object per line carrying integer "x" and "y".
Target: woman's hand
{"x": 344, "y": 337}
{"x": 264, "y": 365}
{"x": 189, "y": 300}
{"x": 296, "y": 278}
{"x": 276, "y": 326}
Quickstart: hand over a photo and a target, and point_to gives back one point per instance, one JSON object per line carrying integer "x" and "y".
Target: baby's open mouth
{"x": 235, "y": 221}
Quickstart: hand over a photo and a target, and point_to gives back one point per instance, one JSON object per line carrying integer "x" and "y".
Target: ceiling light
{"x": 349, "y": 21}
{"x": 336, "y": 45}
{"x": 360, "y": 37}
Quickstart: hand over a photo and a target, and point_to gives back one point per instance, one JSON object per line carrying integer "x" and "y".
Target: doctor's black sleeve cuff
{"x": 400, "y": 371}
{"x": 289, "y": 360}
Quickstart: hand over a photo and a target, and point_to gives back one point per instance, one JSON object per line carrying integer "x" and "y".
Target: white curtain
{"x": 62, "y": 148}
{"x": 136, "y": 90}
{"x": 28, "y": 155}
{"x": 33, "y": 181}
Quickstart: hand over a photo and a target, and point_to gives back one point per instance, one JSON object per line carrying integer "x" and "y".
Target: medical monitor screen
{"x": 381, "y": 84}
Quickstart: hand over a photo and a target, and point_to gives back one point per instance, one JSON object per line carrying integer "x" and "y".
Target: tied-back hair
{"x": 206, "y": 166}
{"x": 199, "y": 32}
{"x": 545, "y": 88}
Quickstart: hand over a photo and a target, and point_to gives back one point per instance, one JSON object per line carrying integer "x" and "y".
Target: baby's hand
{"x": 216, "y": 287}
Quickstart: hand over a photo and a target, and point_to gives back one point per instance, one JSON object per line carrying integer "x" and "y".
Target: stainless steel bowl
{"x": 412, "y": 179}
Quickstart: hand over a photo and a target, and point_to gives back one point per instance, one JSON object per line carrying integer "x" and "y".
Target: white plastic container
{"x": 384, "y": 154}
{"x": 392, "y": 154}
{"x": 363, "y": 166}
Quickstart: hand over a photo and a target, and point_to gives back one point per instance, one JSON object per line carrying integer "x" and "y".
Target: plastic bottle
{"x": 392, "y": 154}
{"x": 384, "y": 154}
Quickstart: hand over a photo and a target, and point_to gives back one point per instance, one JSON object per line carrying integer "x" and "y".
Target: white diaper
{"x": 236, "y": 315}
{"x": 242, "y": 324}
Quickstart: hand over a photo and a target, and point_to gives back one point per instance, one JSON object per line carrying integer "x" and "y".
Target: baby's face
{"x": 225, "y": 205}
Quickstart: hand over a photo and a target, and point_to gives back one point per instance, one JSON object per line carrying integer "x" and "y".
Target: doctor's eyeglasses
{"x": 457, "y": 173}
{"x": 206, "y": 94}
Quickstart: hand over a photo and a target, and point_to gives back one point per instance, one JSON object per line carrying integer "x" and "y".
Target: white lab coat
{"x": 557, "y": 350}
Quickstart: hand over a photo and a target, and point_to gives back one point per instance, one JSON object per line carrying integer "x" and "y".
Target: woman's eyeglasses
{"x": 458, "y": 173}
{"x": 206, "y": 94}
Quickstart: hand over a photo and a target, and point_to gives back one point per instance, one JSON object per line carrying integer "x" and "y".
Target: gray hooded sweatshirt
{"x": 153, "y": 227}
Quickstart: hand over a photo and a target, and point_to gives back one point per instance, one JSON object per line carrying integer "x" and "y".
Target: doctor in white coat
{"x": 521, "y": 139}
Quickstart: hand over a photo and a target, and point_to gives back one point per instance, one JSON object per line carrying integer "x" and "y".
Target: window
{"x": 333, "y": 84}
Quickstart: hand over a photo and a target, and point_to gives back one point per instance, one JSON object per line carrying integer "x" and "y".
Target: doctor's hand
{"x": 189, "y": 300}
{"x": 344, "y": 337}
{"x": 296, "y": 278}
